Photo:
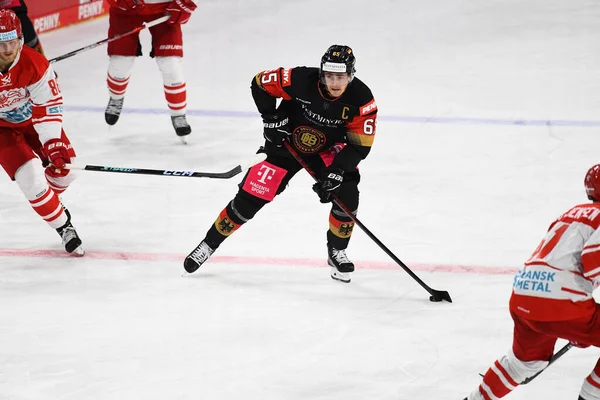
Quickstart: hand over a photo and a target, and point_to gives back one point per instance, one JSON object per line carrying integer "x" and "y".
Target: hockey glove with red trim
{"x": 57, "y": 153}
{"x": 180, "y": 11}
{"x": 330, "y": 184}
{"x": 276, "y": 128}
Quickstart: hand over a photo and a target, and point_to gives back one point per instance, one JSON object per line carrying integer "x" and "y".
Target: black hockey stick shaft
{"x": 437, "y": 294}
{"x": 167, "y": 172}
{"x": 552, "y": 360}
{"x": 111, "y": 39}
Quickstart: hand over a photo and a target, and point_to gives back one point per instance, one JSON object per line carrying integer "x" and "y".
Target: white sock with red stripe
{"x": 45, "y": 202}
{"x": 174, "y": 83}
{"x": 591, "y": 386}
{"x": 119, "y": 71}
{"x": 504, "y": 376}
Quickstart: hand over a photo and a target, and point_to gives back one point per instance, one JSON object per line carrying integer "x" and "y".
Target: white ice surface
{"x": 488, "y": 123}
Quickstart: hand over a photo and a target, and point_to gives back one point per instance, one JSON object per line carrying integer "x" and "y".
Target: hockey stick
{"x": 165, "y": 172}
{"x": 436, "y": 295}
{"x": 555, "y": 357}
{"x": 112, "y": 38}
{"x": 552, "y": 360}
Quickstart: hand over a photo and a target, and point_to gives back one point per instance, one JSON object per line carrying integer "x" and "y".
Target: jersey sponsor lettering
{"x": 368, "y": 108}
{"x": 534, "y": 281}
{"x": 54, "y": 110}
{"x": 17, "y": 115}
{"x": 286, "y": 77}
{"x": 319, "y": 119}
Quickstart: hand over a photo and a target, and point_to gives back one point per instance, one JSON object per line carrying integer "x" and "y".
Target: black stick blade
{"x": 440, "y": 295}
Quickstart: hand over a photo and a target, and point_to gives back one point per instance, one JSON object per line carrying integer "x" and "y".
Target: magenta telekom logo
{"x": 266, "y": 173}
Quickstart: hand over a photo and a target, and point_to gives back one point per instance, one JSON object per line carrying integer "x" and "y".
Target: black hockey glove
{"x": 276, "y": 128}
{"x": 330, "y": 184}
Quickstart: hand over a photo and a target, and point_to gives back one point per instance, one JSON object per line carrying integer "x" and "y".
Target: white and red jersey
{"x": 29, "y": 94}
{"x": 557, "y": 282}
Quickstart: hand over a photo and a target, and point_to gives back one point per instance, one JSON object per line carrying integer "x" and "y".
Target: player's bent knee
{"x": 245, "y": 206}
{"x": 30, "y": 178}
{"x": 170, "y": 65}
{"x": 521, "y": 370}
{"x": 120, "y": 66}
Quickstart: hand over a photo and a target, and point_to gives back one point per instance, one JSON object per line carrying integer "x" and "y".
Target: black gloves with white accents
{"x": 330, "y": 183}
{"x": 276, "y": 128}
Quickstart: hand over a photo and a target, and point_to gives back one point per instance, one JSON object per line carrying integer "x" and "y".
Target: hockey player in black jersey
{"x": 329, "y": 117}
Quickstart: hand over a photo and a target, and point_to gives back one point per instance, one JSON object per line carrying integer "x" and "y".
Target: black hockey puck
{"x": 435, "y": 299}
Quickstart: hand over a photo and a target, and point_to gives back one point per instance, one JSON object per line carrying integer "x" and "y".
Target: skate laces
{"x": 201, "y": 253}
{"x": 340, "y": 256}
{"x": 179, "y": 121}
{"x": 68, "y": 233}
{"x": 114, "y": 106}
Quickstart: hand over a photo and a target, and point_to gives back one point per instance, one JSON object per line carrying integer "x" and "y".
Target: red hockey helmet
{"x": 10, "y": 26}
{"x": 592, "y": 183}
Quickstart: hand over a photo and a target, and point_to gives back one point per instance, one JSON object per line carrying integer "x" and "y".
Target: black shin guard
{"x": 240, "y": 210}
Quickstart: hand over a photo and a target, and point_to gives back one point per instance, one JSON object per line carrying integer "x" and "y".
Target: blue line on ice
{"x": 392, "y": 118}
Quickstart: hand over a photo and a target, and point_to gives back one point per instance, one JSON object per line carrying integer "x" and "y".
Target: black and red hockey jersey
{"x": 318, "y": 122}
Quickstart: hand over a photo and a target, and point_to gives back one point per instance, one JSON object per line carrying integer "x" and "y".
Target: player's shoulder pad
{"x": 307, "y": 70}
{"x": 32, "y": 60}
{"x": 299, "y": 75}
{"x": 362, "y": 97}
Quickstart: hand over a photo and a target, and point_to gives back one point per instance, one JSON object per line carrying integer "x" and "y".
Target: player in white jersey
{"x": 167, "y": 49}
{"x": 31, "y": 134}
{"x": 552, "y": 299}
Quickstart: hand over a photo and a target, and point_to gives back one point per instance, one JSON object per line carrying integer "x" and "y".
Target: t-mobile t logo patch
{"x": 266, "y": 173}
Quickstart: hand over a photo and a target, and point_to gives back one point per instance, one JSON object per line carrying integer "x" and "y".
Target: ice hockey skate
{"x": 197, "y": 257}
{"x": 341, "y": 267}
{"x": 182, "y": 128}
{"x": 70, "y": 238}
{"x": 113, "y": 110}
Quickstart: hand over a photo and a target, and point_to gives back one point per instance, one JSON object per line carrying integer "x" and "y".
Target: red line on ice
{"x": 158, "y": 257}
